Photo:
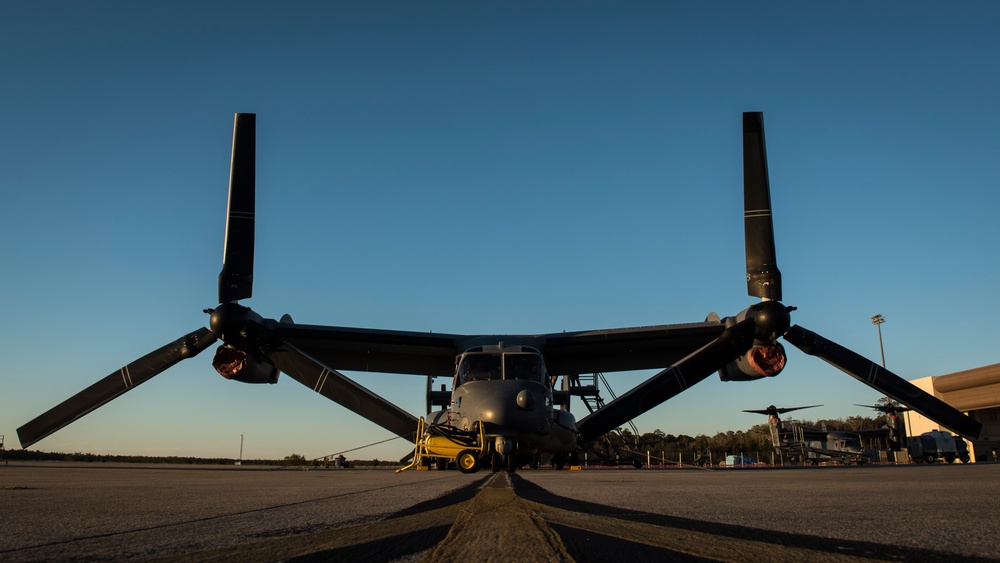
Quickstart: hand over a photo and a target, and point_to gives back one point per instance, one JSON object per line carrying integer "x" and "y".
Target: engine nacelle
{"x": 236, "y": 364}
{"x": 763, "y": 360}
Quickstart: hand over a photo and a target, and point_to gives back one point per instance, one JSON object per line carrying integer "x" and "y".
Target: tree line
{"x": 755, "y": 440}
{"x": 293, "y": 460}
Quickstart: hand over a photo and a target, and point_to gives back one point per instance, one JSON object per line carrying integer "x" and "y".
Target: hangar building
{"x": 975, "y": 392}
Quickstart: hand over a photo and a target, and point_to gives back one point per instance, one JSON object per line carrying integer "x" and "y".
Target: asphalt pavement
{"x": 75, "y": 511}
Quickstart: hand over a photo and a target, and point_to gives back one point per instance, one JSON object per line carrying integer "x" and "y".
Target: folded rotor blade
{"x": 114, "y": 385}
{"x": 236, "y": 278}
{"x": 883, "y": 380}
{"x": 763, "y": 277}
{"x": 335, "y": 386}
{"x": 733, "y": 342}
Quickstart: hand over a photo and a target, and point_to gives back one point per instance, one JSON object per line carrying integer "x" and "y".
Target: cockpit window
{"x": 479, "y": 367}
{"x": 515, "y": 365}
{"x": 523, "y": 366}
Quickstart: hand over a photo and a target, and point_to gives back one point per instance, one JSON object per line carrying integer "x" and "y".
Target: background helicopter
{"x": 799, "y": 443}
{"x": 518, "y": 413}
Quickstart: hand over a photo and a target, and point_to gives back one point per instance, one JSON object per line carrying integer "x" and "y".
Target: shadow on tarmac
{"x": 589, "y": 546}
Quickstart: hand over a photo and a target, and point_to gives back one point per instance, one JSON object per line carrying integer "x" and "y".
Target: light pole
{"x": 877, "y": 320}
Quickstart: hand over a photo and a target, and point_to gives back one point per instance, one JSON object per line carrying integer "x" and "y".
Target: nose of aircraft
{"x": 514, "y": 409}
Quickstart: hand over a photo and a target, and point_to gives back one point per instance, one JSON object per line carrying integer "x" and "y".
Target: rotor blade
{"x": 887, "y": 409}
{"x": 114, "y": 385}
{"x": 335, "y": 386}
{"x": 772, "y": 410}
{"x": 790, "y": 409}
{"x": 763, "y": 277}
{"x": 883, "y": 380}
{"x": 733, "y": 342}
{"x": 236, "y": 278}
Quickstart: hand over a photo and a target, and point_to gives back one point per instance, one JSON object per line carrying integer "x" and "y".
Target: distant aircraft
{"x": 895, "y": 427}
{"x": 505, "y": 393}
{"x": 812, "y": 445}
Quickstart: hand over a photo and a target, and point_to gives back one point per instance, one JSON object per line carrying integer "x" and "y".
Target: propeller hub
{"x": 229, "y": 321}
{"x": 772, "y": 319}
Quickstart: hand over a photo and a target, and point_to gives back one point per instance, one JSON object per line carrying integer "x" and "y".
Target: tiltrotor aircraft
{"x": 812, "y": 445}
{"x": 896, "y": 430}
{"x": 503, "y": 386}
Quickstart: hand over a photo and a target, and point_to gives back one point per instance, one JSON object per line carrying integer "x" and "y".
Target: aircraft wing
{"x": 625, "y": 349}
{"x": 870, "y": 431}
{"x": 427, "y": 353}
{"x": 383, "y": 351}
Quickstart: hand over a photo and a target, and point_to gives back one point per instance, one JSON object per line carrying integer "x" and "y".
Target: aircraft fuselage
{"x": 508, "y": 391}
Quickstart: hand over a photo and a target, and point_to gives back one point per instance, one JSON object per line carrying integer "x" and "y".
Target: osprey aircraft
{"x": 504, "y": 402}
{"x": 813, "y": 445}
{"x": 894, "y": 425}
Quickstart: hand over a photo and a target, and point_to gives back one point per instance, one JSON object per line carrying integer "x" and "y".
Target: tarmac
{"x": 103, "y": 512}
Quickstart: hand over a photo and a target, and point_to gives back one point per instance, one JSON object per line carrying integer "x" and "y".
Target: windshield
{"x": 479, "y": 367}
{"x": 515, "y": 365}
{"x": 523, "y": 366}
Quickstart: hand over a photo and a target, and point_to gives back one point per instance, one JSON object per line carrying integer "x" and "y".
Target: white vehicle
{"x": 933, "y": 445}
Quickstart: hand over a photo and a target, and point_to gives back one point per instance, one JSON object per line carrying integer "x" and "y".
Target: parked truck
{"x": 931, "y": 446}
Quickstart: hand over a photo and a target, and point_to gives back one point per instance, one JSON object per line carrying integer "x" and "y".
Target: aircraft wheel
{"x": 495, "y": 462}
{"x": 467, "y": 461}
{"x": 511, "y": 462}
{"x": 928, "y": 458}
{"x": 964, "y": 458}
{"x": 950, "y": 458}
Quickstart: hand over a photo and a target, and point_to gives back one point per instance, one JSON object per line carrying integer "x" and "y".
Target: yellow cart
{"x": 435, "y": 441}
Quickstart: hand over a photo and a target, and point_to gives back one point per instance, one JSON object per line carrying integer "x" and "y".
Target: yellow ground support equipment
{"x": 439, "y": 442}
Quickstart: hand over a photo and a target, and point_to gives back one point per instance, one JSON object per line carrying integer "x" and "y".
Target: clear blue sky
{"x": 484, "y": 167}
